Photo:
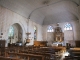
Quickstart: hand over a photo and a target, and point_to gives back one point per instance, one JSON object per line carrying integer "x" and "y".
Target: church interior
{"x": 39, "y": 29}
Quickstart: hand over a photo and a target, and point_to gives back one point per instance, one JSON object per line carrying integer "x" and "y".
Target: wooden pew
{"x": 47, "y": 54}
{"x": 32, "y": 56}
{"x": 72, "y": 58}
{"x": 36, "y": 52}
{"x": 8, "y": 58}
{"x": 74, "y": 54}
{"x": 24, "y": 55}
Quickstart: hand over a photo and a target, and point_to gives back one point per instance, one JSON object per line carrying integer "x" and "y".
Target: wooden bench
{"x": 8, "y": 58}
{"x": 24, "y": 55}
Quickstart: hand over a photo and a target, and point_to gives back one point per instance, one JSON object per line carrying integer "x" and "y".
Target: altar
{"x": 58, "y": 44}
{"x": 58, "y": 36}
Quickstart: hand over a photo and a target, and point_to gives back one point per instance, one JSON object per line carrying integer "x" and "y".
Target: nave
{"x": 39, "y": 29}
{"x": 39, "y": 53}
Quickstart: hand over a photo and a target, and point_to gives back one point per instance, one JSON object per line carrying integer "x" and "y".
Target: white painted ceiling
{"x": 44, "y": 11}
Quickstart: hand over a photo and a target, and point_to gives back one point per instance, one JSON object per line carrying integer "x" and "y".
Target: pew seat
{"x": 8, "y": 58}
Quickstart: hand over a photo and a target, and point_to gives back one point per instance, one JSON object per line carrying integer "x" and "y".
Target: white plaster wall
{"x": 8, "y": 18}
{"x": 39, "y": 32}
{"x": 68, "y": 35}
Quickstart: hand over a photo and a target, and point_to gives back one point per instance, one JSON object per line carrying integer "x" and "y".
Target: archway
{"x": 15, "y": 34}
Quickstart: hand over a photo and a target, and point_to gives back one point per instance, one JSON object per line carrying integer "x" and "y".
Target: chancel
{"x": 39, "y": 29}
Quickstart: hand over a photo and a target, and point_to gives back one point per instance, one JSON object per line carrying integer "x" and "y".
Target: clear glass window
{"x": 67, "y": 26}
{"x": 50, "y": 29}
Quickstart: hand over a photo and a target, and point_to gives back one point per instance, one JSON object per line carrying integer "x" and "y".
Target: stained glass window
{"x": 35, "y": 32}
{"x": 11, "y": 32}
{"x": 50, "y": 29}
{"x": 67, "y": 26}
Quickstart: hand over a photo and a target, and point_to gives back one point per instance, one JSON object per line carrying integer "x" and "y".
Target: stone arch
{"x": 17, "y": 33}
{"x": 23, "y": 29}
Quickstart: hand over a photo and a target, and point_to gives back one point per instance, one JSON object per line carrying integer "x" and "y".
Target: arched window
{"x": 67, "y": 26}
{"x": 35, "y": 32}
{"x": 11, "y": 32}
{"x": 50, "y": 29}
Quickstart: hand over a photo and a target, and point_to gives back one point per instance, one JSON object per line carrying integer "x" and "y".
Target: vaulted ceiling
{"x": 44, "y": 11}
